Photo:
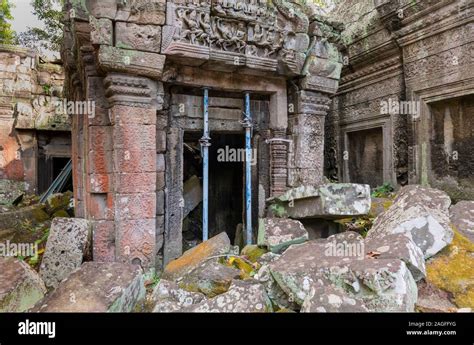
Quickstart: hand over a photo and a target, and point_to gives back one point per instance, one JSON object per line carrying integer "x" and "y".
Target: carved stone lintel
{"x": 146, "y": 64}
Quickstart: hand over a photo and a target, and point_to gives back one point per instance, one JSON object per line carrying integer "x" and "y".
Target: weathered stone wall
{"x": 407, "y": 54}
{"x": 29, "y": 92}
{"x": 130, "y": 57}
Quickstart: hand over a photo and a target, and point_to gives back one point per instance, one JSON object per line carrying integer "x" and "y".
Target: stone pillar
{"x": 278, "y": 163}
{"x": 306, "y": 126}
{"x": 174, "y": 196}
{"x": 133, "y": 118}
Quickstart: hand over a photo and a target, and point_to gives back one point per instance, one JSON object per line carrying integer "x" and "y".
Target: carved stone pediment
{"x": 230, "y": 34}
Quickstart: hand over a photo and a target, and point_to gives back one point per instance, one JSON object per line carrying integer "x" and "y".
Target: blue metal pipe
{"x": 247, "y": 123}
{"x": 205, "y": 143}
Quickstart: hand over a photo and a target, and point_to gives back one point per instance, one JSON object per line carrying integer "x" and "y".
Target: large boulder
{"x": 244, "y": 296}
{"x": 68, "y": 242}
{"x": 329, "y": 201}
{"x": 192, "y": 258}
{"x": 430, "y": 197}
{"x": 20, "y": 286}
{"x": 277, "y": 234}
{"x": 379, "y": 284}
{"x": 399, "y": 246}
{"x": 97, "y": 287}
{"x": 169, "y": 297}
{"x": 421, "y": 214}
{"x": 210, "y": 278}
{"x": 462, "y": 217}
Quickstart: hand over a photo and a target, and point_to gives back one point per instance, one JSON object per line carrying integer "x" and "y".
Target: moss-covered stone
{"x": 253, "y": 252}
{"x": 60, "y": 214}
{"x": 194, "y": 257}
{"x": 20, "y": 287}
{"x": 452, "y": 270}
{"x": 210, "y": 278}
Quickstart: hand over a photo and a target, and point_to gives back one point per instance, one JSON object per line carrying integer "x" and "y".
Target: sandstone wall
{"x": 415, "y": 53}
{"x": 29, "y": 90}
{"x": 132, "y": 58}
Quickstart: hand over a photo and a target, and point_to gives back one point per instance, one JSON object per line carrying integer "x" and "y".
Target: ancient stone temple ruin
{"x": 245, "y": 156}
{"x": 145, "y": 64}
{"x": 404, "y": 108}
{"x": 35, "y": 141}
{"x": 376, "y": 93}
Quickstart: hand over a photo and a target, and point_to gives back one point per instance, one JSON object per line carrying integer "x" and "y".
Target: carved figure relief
{"x": 251, "y": 28}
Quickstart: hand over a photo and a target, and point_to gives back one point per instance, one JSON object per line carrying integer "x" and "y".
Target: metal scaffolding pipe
{"x": 205, "y": 143}
{"x": 247, "y": 123}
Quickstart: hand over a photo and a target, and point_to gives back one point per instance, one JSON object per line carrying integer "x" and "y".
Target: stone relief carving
{"x": 256, "y": 33}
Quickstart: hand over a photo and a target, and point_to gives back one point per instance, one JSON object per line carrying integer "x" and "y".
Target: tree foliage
{"x": 7, "y": 35}
{"x": 49, "y": 37}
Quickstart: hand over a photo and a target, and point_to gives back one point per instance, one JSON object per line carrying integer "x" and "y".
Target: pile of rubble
{"x": 344, "y": 272}
{"x": 402, "y": 265}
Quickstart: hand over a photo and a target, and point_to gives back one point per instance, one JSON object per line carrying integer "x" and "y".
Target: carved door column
{"x": 133, "y": 105}
{"x": 306, "y": 127}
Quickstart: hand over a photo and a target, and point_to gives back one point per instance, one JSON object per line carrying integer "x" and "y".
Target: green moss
{"x": 453, "y": 270}
{"x": 39, "y": 215}
{"x": 278, "y": 210}
{"x": 252, "y": 252}
{"x": 60, "y": 214}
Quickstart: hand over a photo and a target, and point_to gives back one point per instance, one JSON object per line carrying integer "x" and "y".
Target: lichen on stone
{"x": 452, "y": 270}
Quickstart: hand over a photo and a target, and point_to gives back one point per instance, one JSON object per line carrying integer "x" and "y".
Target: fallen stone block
{"x": 277, "y": 234}
{"x": 97, "y": 287}
{"x": 386, "y": 285}
{"x": 20, "y": 286}
{"x": 462, "y": 217}
{"x": 301, "y": 265}
{"x": 170, "y": 298}
{"x": 379, "y": 284}
{"x": 430, "y": 197}
{"x": 69, "y": 240}
{"x": 244, "y": 296}
{"x": 276, "y": 294}
{"x": 433, "y": 300}
{"x": 192, "y": 258}
{"x": 329, "y": 201}
{"x": 327, "y": 299}
{"x": 210, "y": 278}
{"x": 421, "y": 214}
{"x": 33, "y": 214}
{"x": 399, "y": 246}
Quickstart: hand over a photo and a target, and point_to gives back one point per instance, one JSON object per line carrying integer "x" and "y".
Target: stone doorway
{"x": 54, "y": 152}
{"x": 452, "y": 146}
{"x": 365, "y": 156}
{"x": 226, "y": 185}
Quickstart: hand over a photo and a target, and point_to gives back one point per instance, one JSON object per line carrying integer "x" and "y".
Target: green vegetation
{"x": 7, "y": 35}
{"x": 49, "y": 37}
{"x": 383, "y": 191}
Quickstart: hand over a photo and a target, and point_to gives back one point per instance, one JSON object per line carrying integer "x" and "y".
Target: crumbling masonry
{"x": 145, "y": 63}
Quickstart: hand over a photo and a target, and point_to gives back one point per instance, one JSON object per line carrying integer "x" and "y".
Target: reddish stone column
{"x": 133, "y": 118}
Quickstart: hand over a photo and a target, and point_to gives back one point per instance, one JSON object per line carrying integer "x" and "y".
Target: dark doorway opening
{"x": 366, "y": 156}
{"x": 226, "y": 185}
{"x": 49, "y": 169}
